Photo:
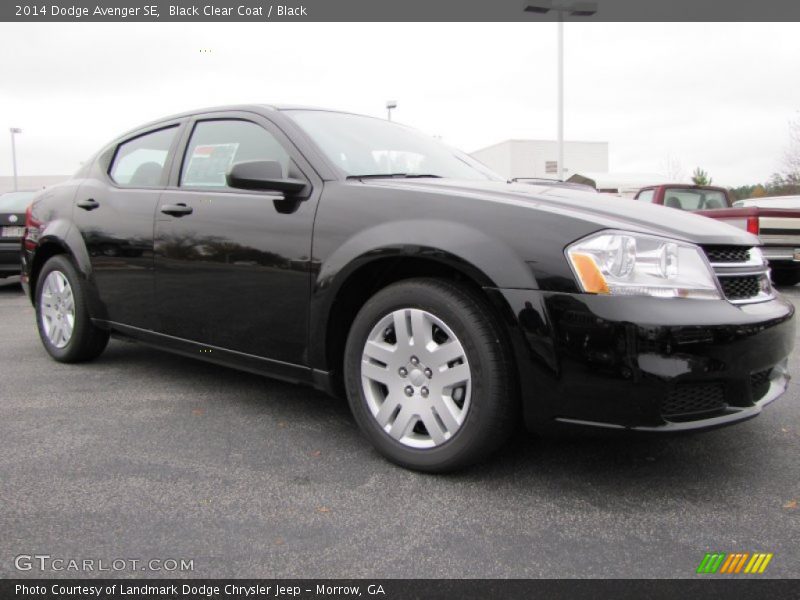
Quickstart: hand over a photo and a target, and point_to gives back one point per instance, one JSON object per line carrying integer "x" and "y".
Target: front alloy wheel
{"x": 428, "y": 375}
{"x": 416, "y": 378}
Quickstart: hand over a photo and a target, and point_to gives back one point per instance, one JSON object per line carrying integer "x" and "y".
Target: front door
{"x": 232, "y": 267}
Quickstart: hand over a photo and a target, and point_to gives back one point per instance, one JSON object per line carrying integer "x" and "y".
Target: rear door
{"x": 232, "y": 266}
{"x": 114, "y": 212}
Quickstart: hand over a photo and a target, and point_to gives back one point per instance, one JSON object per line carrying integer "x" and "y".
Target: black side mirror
{"x": 263, "y": 176}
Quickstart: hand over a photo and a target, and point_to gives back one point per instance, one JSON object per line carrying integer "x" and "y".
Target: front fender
{"x": 490, "y": 261}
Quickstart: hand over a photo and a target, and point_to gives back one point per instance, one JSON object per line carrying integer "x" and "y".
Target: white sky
{"x": 717, "y": 96}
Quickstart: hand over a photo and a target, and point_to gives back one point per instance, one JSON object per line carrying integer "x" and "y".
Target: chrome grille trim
{"x": 754, "y": 267}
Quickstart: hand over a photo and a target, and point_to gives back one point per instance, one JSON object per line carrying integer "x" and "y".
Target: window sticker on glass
{"x": 209, "y": 163}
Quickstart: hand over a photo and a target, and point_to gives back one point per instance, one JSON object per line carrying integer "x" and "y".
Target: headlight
{"x": 633, "y": 264}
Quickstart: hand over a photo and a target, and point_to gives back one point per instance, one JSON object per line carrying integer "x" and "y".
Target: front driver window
{"x": 218, "y": 145}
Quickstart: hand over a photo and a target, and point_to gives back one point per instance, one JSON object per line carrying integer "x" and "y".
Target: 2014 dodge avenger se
{"x": 363, "y": 258}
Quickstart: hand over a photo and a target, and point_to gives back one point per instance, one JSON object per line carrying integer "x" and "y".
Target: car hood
{"x": 607, "y": 212}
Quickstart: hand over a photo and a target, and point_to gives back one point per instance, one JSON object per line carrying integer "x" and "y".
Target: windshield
{"x": 691, "y": 199}
{"x": 15, "y": 201}
{"x": 368, "y": 147}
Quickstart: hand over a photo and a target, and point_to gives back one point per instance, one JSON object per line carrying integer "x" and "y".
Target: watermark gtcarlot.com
{"x": 45, "y": 563}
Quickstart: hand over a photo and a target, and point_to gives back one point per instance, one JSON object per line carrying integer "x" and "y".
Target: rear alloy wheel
{"x": 65, "y": 328}
{"x": 428, "y": 376}
{"x": 57, "y": 312}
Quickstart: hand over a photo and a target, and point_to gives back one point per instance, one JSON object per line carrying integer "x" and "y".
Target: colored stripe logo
{"x": 734, "y": 563}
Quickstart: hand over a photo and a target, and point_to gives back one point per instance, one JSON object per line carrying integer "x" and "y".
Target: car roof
{"x": 686, "y": 186}
{"x": 257, "y": 108}
{"x": 243, "y": 107}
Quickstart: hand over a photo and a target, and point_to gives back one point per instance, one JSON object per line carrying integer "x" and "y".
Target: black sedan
{"x": 366, "y": 259}
{"x": 12, "y": 225}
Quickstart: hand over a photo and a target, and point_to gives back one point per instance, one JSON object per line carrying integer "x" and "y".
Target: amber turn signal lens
{"x": 588, "y": 271}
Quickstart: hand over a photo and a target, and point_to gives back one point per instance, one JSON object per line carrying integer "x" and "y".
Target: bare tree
{"x": 791, "y": 157}
{"x": 672, "y": 168}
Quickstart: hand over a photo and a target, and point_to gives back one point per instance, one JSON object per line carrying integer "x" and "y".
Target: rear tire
{"x": 428, "y": 375}
{"x": 65, "y": 328}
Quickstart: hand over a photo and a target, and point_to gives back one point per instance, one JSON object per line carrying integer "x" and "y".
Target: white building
{"x": 539, "y": 158}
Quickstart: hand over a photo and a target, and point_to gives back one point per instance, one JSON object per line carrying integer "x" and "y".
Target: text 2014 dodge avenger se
{"x": 361, "y": 257}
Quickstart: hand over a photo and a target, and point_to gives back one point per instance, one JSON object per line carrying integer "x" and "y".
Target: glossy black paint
{"x": 269, "y": 282}
{"x": 611, "y": 360}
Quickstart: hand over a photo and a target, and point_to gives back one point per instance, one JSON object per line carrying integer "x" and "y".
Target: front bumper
{"x": 647, "y": 364}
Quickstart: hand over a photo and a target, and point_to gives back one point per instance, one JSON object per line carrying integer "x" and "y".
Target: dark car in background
{"x": 363, "y": 258}
{"x": 12, "y": 226}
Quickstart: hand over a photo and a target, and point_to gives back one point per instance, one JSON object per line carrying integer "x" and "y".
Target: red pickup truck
{"x": 778, "y": 229}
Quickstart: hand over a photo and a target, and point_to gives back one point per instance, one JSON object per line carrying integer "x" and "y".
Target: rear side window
{"x": 216, "y": 146}
{"x": 645, "y": 196}
{"x": 140, "y": 162}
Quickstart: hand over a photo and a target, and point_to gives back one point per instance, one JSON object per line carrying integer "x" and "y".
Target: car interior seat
{"x": 673, "y": 202}
{"x": 147, "y": 174}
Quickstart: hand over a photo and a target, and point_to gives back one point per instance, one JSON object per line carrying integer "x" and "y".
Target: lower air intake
{"x": 691, "y": 399}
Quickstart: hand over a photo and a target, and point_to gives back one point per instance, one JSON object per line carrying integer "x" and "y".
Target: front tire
{"x": 428, "y": 375}
{"x": 65, "y": 328}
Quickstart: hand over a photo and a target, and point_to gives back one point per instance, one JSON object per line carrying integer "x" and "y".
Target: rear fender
{"x": 66, "y": 236}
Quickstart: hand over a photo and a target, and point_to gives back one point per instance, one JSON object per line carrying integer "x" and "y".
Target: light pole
{"x": 13, "y": 131}
{"x": 572, "y": 9}
{"x": 390, "y": 104}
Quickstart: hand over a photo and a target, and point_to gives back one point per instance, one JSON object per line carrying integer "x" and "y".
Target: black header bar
{"x": 395, "y": 10}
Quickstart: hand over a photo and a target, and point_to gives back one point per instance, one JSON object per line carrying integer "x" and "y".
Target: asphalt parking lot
{"x": 143, "y": 454}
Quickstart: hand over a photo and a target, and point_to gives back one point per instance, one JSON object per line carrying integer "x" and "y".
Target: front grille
{"x": 690, "y": 399}
{"x": 727, "y": 254}
{"x": 740, "y": 288}
{"x": 742, "y": 277}
{"x": 759, "y": 383}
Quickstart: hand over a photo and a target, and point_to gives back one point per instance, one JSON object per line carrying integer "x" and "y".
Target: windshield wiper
{"x": 394, "y": 176}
